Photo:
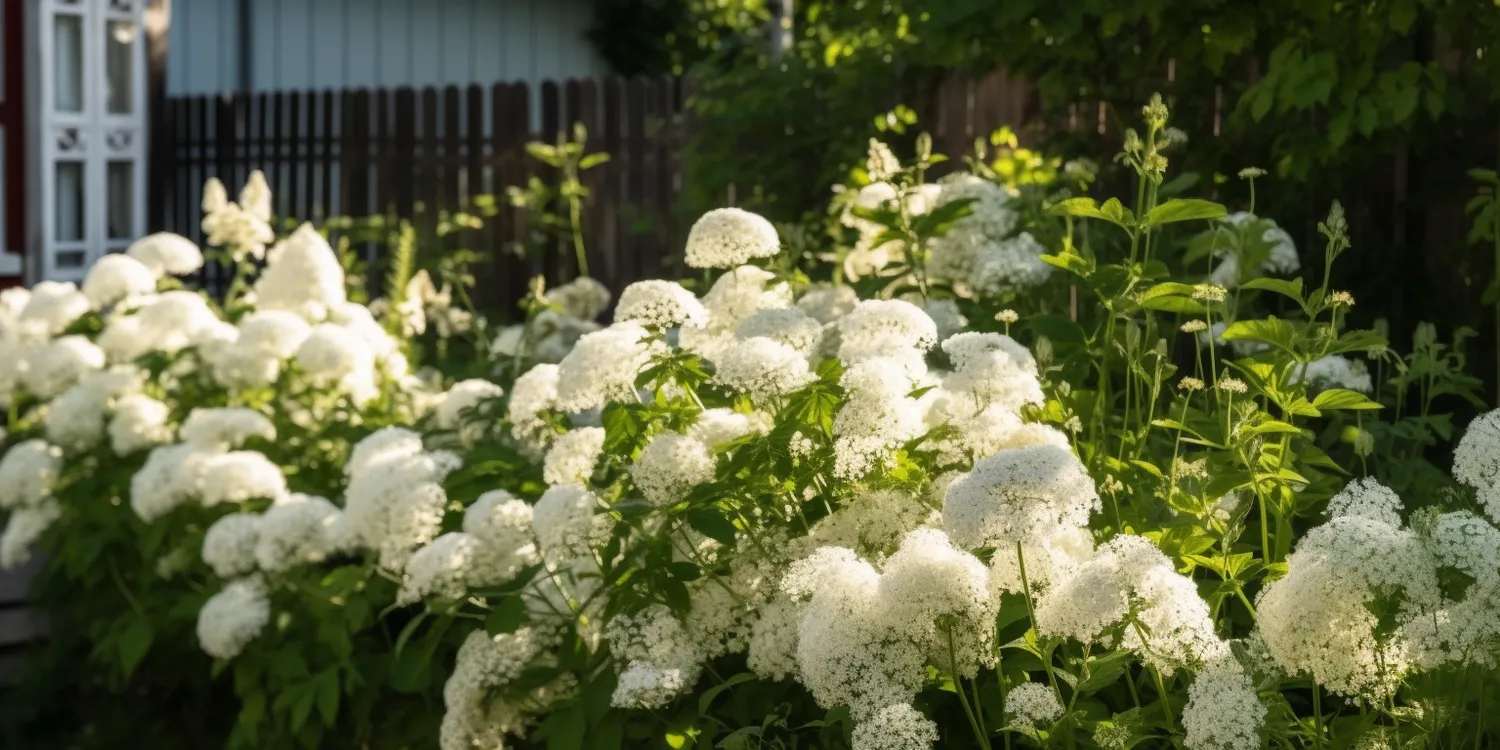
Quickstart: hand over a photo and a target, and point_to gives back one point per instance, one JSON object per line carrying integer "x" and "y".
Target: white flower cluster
{"x": 28, "y": 473}
{"x": 394, "y": 502}
{"x": 1335, "y": 371}
{"x": 205, "y": 468}
{"x": 553, "y": 332}
{"x": 1281, "y": 260}
{"x": 243, "y": 227}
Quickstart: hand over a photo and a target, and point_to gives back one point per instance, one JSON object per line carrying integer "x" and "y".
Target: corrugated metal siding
{"x": 302, "y": 44}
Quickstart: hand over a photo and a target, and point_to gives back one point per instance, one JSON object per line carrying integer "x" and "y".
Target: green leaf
{"x": 327, "y": 686}
{"x": 408, "y": 631}
{"x": 1184, "y": 209}
{"x": 1291, "y": 288}
{"x": 711, "y": 523}
{"x": 1070, "y": 262}
{"x": 593, "y": 160}
{"x": 1342, "y": 398}
{"x": 566, "y": 728}
{"x": 134, "y": 642}
{"x": 1273, "y": 330}
{"x": 1180, "y": 305}
{"x": 506, "y": 617}
{"x": 707, "y": 699}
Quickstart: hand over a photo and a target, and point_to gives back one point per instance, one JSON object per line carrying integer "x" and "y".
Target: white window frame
{"x": 92, "y": 136}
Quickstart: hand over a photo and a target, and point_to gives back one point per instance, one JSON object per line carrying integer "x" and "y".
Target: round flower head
{"x": 222, "y": 429}
{"x": 582, "y": 298}
{"x": 55, "y": 367}
{"x": 1223, "y": 711}
{"x": 229, "y": 544}
{"x": 116, "y": 277}
{"x": 51, "y": 308}
{"x": 303, "y": 276}
{"x": 166, "y": 254}
{"x": 573, "y": 456}
{"x": 827, "y": 304}
{"x": 602, "y": 367}
{"x": 786, "y": 325}
{"x": 928, "y": 580}
{"x": 660, "y": 304}
{"x": 729, "y": 237}
{"x": 670, "y": 466}
{"x": 895, "y": 727}
{"x": 884, "y": 328}
{"x": 762, "y": 368}
{"x": 463, "y": 396}
{"x": 530, "y": 395}
{"x": 27, "y": 473}
{"x": 333, "y": 357}
{"x": 76, "y": 420}
{"x": 139, "y": 422}
{"x": 25, "y": 526}
{"x": 991, "y": 368}
{"x": 1032, "y": 706}
{"x": 298, "y": 530}
{"x": 232, "y": 618}
{"x": 1009, "y": 265}
{"x": 1016, "y": 495}
{"x": 743, "y": 292}
{"x": 1476, "y": 460}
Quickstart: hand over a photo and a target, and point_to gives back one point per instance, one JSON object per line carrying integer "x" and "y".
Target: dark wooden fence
{"x": 414, "y": 153}
{"x": 19, "y": 623}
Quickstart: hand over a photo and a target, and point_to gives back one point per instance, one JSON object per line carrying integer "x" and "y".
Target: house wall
{"x": 322, "y": 44}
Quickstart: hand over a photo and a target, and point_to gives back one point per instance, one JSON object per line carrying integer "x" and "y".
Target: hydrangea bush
{"x": 1027, "y": 470}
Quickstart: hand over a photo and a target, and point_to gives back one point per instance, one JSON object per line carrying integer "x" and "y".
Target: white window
{"x": 92, "y": 135}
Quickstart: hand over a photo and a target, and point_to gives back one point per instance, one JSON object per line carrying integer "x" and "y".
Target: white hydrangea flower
{"x": 1335, "y": 371}
{"x": 51, "y": 307}
{"x": 262, "y": 341}
{"x": 139, "y": 422}
{"x": 236, "y": 477}
{"x": 1017, "y": 495}
{"x": 884, "y": 328}
{"x": 1010, "y": 265}
{"x": 720, "y": 425}
{"x": 24, "y": 526}
{"x": 464, "y": 395}
{"x": 762, "y": 368}
{"x": 334, "y": 358}
{"x": 564, "y": 522}
{"x": 168, "y": 323}
{"x": 75, "y": 421}
{"x": 729, "y": 237}
{"x": 945, "y": 315}
{"x": 395, "y": 502}
{"x": 229, "y": 545}
{"x": 1223, "y": 710}
{"x": 992, "y": 368}
{"x": 224, "y": 428}
{"x": 233, "y": 617}
{"x": 742, "y": 292}
{"x": 440, "y": 569}
{"x": 1316, "y": 619}
{"x": 573, "y": 456}
{"x": 530, "y": 395}
{"x": 166, "y": 254}
{"x": 302, "y": 276}
{"x": 603, "y": 367}
{"x": 663, "y": 659}
{"x": 1033, "y": 706}
{"x": 929, "y": 581}
{"x": 485, "y": 663}
{"x": 1476, "y": 460}
{"x": 297, "y": 530}
{"x": 502, "y": 524}
{"x": 582, "y": 298}
{"x": 789, "y": 326}
{"x": 772, "y": 650}
{"x": 670, "y": 466}
{"x": 54, "y": 367}
{"x": 828, "y": 304}
{"x": 115, "y": 277}
{"x": 877, "y": 416}
{"x": 662, "y": 304}
{"x": 898, "y": 726}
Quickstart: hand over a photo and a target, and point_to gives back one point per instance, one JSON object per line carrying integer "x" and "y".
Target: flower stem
{"x": 958, "y": 687}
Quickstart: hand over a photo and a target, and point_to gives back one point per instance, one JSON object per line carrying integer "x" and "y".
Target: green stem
{"x": 958, "y": 687}
{"x": 1317, "y": 714}
{"x": 1031, "y": 613}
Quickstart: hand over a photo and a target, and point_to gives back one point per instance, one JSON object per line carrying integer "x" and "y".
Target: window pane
{"x": 121, "y": 191}
{"x": 71, "y": 258}
{"x": 69, "y": 204}
{"x": 67, "y": 51}
{"x": 119, "y": 42}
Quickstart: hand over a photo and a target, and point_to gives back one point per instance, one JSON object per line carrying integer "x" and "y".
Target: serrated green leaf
{"x": 1184, "y": 209}
{"x": 1342, "y": 398}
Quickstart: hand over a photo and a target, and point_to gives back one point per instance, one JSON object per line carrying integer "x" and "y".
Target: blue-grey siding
{"x": 316, "y": 44}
